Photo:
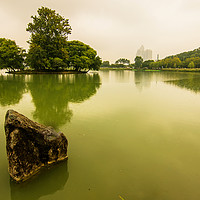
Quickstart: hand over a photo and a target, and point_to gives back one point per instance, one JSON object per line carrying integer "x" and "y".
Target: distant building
{"x": 157, "y": 57}
{"x": 145, "y": 54}
{"x": 140, "y": 51}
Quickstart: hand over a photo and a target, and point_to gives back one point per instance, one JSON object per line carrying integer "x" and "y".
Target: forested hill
{"x": 189, "y": 54}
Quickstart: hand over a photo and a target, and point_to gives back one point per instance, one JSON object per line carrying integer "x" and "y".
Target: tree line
{"x": 190, "y": 59}
{"x": 49, "y": 48}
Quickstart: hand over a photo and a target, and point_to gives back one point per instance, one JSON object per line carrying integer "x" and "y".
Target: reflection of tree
{"x": 50, "y": 99}
{"x": 105, "y": 74}
{"x": 12, "y": 88}
{"x": 143, "y": 79}
{"x": 82, "y": 87}
{"x": 121, "y": 76}
{"x": 191, "y": 83}
{"x": 52, "y": 93}
{"x": 46, "y": 183}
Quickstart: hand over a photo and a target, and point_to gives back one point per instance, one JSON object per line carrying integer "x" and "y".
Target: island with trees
{"x": 49, "y": 48}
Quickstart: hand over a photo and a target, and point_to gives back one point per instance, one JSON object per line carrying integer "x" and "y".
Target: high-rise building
{"x": 145, "y": 54}
{"x": 157, "y": 57}
{"x": 140, "y": 51}
{"x": 148, "y": 54}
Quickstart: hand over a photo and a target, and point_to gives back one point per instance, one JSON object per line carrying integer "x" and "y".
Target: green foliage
{"x": 189, "y": 54}
{"x": 117, "y": 66}
{"x": 190, "y": 59}
{"x": 186, "y": 58}
{"x": 195, "y": 60}
{"x": 138, "y": 62}
{"x": 147, "y": 63}
{"x": 11, "y": 56}
{"x": 37, "y": 58}
{"x": 58, "y": 64}
{"x": 191, "y": 65}
{"x": 82, "y": 56}
{"x": 105, "y": 64}
{"x": 123, "y": 61}
{"x": 171, "y": 62}
{"x": 155, "y": 65}
{"x": 49, "y": 34}
{"x": 175, "y": 62}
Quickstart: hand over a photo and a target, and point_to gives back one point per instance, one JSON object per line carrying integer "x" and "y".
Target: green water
{"x": 132, "y": 135}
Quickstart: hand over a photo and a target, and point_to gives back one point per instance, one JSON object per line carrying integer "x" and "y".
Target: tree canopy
{"x": 147, "y": 63}
{"x": 82, "y": 56}
{"x": 49, "y": 48}
{"x": 49, "y": 34}
{"x": 188, "y": 54}
{"x": 138, "y": 62}
{"x": 123, "y": 61}
{"x": 105, "y": 64}
{"x": 11, "y": 56}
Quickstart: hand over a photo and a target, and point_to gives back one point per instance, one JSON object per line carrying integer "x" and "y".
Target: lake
{"x": 132, "y": 135}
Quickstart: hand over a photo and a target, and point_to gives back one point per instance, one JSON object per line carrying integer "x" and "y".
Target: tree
{"x": 147, "y": 63}
{"x": 156, "y": 65}
{"x": 191, "y": 65}
{"x": 189, "y": 54}
{"x": 171, "y": 62}
{"x": 11, "y": 56}
{"x": 49, "y": 34}
{"x": 194, "y": 60}
{"x": 105, "y": 64}
{"x": 123, "y": 61}
{"x": 138, "y": 62}
{"x": 82, "y": 56}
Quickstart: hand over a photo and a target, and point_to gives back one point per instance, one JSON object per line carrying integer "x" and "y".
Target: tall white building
{"x": 145, "y": 54}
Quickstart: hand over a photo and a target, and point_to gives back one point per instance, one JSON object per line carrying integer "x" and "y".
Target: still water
{"x": 132, "y": 135}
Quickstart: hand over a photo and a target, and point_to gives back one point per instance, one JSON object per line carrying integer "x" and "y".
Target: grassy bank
{"x": 156, "y": 70}
{"x": 117, "y": 68}
{"x": 182, "y": 69}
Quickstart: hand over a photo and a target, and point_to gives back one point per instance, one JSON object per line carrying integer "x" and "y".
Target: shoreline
{"x": 47, "y": 72}
{"x": 181, "y": 69}
{"x": 29, "y": 72}
{"x": 157, "y": 70}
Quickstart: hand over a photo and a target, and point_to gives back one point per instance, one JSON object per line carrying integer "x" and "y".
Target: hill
{"x": 189, "y": 54}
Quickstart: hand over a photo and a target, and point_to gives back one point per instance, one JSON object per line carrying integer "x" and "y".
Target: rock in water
{"x": 31, "y": 146}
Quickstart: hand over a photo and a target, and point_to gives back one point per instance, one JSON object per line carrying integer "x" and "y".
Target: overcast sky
{"x": 115, "y": 28}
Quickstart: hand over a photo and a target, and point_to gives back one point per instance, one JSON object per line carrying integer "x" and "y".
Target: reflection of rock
{"x": 48, "y": 182}
{"x": 31, "y": 145}
{"x": 52, "y": 93}
{"x": 12, "y": 88}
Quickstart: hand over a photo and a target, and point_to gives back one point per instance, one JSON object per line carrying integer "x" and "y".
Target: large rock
{"x": 30, "y": 146}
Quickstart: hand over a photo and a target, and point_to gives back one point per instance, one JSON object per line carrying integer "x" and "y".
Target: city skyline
{"x": 146, "y": 54}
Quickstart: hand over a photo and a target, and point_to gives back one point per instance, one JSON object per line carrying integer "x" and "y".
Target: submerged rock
{"x": 30, "y": 146}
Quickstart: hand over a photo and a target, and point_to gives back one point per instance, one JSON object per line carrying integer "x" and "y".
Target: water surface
{"x": 132, "y": 135}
